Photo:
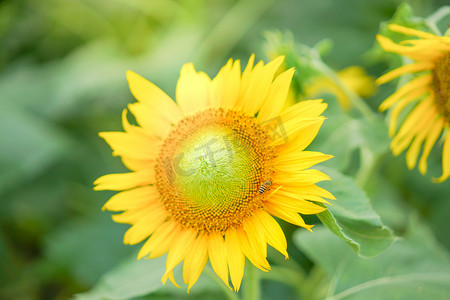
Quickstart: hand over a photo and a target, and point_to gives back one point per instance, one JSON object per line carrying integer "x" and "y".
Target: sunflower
{"x": 354, "y": 77}
{"x": 210, "y": 172}
{"x": 428, "y": 92}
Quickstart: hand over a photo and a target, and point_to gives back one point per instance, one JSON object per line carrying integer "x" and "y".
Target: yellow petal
{"x": 180, "y": 248}
{"x": 409, "y": 98}
{"x": 217, "y": 256}
{"x": 254, "y": 245}
{"x": 129, "y": 145}
{"x": 410, "y": 31}
{"x": 416, "y": 145}
{"x": 435, "y": 132}
{"x": 125, "y": 181}
{"x": 195, "y": 261}
{"x": 132, "y": 216}
{"x": 294, "y": 203}
{"x": 292, "y": 161}
{"x": 160, "y": 241}
{"x": 132, "y": 199}
{"x": 301, "y": 140}
{"x": 154, "y": 124}
{"x": 235, "y": 257}
{"x": 305, "y": 177}
{"x": 193, "y": 90}
{"x": 225, "y": 86}
{"x": 308, "y": 192}
{"x": 421, "y": 115}
{"x": 150, "y": 95}
{"x": 411, "y": 68}
{"x": 254, "y": 91}
{"x": 276, "y": 96}
{"x": 414, "y": 86}
{"x": 171, "y": 278}
{"x": 273, "y": 232}
{"x": 136, "y": 164}
{"x": 145, "y": 226}
{"x": 419, "y": 52}
{"x": 289, "y": 216}
{"x": 445, "y": 160}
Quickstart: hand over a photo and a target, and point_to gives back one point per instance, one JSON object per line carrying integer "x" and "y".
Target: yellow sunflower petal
{"x": 180, "y": 247}
{"x": 417, "y": 85}
{"x": 254, "y": 244}
{"x": 308, "y": 192}
{"x": 291, "y": 161}
{"x": 411, "y": 68}
{"x": 304, "y": 177}
{"x": 127, "y": 144}
{"x": 431, "y": 139}
{"x": 292, "y": 203}
{"x": 217, "y": 256}
{"x": 132, "y": 216}
{"x": 160, "y": 241}
{"x": 409, "y": 98}
{"x": 287, "y": 215}
{"x": 150, "y": 95}
{"x": 132, "y": 199}
{"x": 301, "y": 140}
{"x": 276, "y": 96}
{"x": 225, "y": 86}
{"x": 144, "y": 227}
{"x": 125, "y": 181}
{"x": 195, "y": 261}
{"x": 255, "y": 87}
{"x": 273, "y": 232}
{"x": 445, "y": 161}
{"x": 235, "y": 257}
{"x": 410, "y": 31}
{"x": 193, "y": 90}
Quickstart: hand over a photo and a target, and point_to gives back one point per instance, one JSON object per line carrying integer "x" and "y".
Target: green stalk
{"x": 251, "y": 280}
{"x": 356, "y": 101}
{"x": 229, "y": 293}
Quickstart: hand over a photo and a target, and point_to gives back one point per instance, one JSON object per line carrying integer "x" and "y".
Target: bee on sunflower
{"x": 198, "y": 187}
{"x": 428, "y": 92}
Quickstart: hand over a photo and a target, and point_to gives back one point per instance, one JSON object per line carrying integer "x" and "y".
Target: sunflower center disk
{"x": 441, "y": 82}
{"x": 210, "y": 169}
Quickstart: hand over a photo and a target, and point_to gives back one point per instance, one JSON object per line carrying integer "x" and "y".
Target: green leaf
{"x": 87, "y": 247}
{"x": 413, "y": 268}
{"x": 134, "y": 278}
{"x": 342, "y": 135}
{"x": 352, "y": 218}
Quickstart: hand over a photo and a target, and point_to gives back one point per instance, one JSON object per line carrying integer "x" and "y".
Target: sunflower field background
{"x": 62, "y": 80}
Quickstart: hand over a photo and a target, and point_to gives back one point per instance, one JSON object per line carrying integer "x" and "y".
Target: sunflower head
{"x": 428, "y": 93}
{"x": 210, "y": 172}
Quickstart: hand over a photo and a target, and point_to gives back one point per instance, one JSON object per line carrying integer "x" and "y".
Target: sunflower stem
{"x": 356, "y": 101}
{"x": 227, "y": 291}
{"x": 251, "y": 291}
{"x": 432, "y": 20}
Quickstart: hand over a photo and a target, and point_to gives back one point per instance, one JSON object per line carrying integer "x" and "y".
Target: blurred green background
{"x": 62, "y": 80}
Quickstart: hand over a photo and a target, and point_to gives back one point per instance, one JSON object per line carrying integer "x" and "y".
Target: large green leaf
{"x": 413, "y": 268}
{"x": 352, "y": 218}
{"x": 134, "y": 278}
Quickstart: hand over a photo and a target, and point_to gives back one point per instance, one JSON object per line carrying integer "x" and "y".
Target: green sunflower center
{"x": 213, "y": 168}
{"x": 441, "y": 83}
{"x": 210, "y": 170}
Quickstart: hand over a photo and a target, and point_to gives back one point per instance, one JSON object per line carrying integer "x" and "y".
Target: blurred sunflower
{"x": 353, "y": 77}
{"x": 429, "y": 92}
{"x": 210, "y": 172}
